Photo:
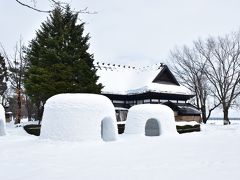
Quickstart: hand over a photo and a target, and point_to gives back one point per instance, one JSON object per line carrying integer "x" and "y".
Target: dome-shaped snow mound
{"x": 2, "y": 121}
{"x": 150, "y": 120}
{"x": 79, "y": 117}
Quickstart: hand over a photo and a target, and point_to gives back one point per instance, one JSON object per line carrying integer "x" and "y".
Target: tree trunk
{"x": 40, "y": 109}
{"x": 29, "y": 108}
{"x": 19, "y": 107}
{"x": 225, "y": 116}
{"x": 29, "y": 115}
{"x": 204, "y": 114}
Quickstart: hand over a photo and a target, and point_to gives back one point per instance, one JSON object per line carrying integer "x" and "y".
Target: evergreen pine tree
{"x": 3, "y": 76}
{"x": 58, "y": 61}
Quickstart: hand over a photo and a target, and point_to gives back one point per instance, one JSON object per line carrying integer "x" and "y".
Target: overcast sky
{"x": 130, "y": 31}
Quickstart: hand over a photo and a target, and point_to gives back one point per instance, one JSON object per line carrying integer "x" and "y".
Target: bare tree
{"x": 16, "y": 66}
{"x": 223, "y": 69}
{"x": 189, "y": 67}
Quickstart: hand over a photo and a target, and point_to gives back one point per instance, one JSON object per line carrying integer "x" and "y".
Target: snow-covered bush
{"x": 2, "y": 121}
{"x": 79, "y": 117}
{"x": 150, "y": 120}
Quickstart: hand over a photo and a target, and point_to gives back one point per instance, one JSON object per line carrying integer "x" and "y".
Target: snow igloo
{"x": 2, "y": 121}
{"x": 150, "y": 120}
{"x": 79, "y": 117}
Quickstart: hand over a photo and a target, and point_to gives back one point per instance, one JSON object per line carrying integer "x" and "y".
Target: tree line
{"x": 211, "y": 70}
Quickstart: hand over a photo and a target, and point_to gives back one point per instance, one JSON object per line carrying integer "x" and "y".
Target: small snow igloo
{"x": 2, "y": 121}
{"x": 79, "y": 117}
{"x": 150, "y": 120}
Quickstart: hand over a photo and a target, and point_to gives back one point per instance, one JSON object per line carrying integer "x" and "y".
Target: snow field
{"x": 210, "y": 154}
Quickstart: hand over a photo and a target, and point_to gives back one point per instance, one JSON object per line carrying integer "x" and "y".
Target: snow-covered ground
{"x": 213, "y": 153}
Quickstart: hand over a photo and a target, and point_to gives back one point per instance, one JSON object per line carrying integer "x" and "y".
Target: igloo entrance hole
{"x": 152, "y": 128}
{"x": 107, "y": 129}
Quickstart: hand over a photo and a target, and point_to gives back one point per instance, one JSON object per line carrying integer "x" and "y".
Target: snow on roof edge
{"x": 154, "y": 87}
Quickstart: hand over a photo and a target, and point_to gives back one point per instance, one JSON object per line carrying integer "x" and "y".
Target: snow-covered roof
{"x": 161, "y": 88}
{"x": 127, "y": 80}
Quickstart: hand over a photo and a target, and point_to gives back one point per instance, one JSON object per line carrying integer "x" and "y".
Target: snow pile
{"x": 2, "y": 121}
{"x": 150, "y": 120}
{"x": 183, "y": 123}
{"x": 79, "y": 117}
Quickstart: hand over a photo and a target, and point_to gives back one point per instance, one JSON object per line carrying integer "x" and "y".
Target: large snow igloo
{"x": 150, "y": 120}
{"x": 79, "y": 117}
{"x": 2, "y": 121}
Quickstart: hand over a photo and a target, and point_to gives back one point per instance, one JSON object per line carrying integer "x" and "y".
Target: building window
{"x": 155, "y": 101}
{"x": 139, "y": 101}
{"x": 146, "y": 101}
{"x": 118, "y": 102}
{"x": 164, "y": 100}
{"x": 181, "y": 101}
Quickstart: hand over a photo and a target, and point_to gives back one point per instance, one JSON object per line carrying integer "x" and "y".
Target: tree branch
{"x": 58, "y": 3}
{"x": 33, "y": 8}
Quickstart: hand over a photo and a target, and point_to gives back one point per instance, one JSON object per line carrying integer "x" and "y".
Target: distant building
{"x": 127, "y": 86}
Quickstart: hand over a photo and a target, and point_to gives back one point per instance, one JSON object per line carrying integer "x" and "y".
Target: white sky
{"x": 130, "y": 31}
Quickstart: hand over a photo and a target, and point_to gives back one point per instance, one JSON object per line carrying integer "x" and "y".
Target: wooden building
{"x": 156, "y": 85}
